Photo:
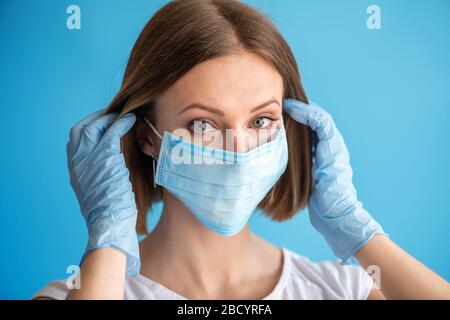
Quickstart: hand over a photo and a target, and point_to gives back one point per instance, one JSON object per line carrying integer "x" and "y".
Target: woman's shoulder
{"x": 55, "y": 290}
{"x": 136, "y": 288}
{"x": 305, "y": 279}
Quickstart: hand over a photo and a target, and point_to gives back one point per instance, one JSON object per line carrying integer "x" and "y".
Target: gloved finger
{"x": 311, "y": 115}
{"x": 75, "y": 131}
{"x": 118, "y": 129}
{"x": 93, "y": 133}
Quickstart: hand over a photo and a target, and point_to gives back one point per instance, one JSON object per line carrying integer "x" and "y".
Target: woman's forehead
{"x": 240, "y": 80}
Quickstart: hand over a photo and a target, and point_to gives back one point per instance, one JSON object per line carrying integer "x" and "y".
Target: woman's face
{"x": 241, "y": 92}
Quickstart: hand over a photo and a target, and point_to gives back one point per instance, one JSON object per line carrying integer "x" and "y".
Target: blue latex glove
{"x": 333, "y": 206}
{"x": 100, "y": 179}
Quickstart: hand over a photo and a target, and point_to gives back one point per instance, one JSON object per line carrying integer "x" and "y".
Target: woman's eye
{"x": 262, "y": 122}
{"x": 200, "y": 126}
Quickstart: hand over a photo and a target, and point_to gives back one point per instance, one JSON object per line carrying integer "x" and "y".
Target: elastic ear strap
{"x": 154, "y": 129}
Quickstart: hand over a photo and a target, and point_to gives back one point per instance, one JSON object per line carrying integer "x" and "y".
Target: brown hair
{"x": 183, "y": 34}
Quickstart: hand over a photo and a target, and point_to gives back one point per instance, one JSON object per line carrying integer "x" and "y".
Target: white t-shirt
{"x": 300, "y": 279}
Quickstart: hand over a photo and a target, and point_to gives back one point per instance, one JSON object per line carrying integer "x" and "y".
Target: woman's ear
{"x": 145, "y": 139}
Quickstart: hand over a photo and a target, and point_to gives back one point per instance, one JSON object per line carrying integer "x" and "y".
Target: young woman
{"x": 203, "y": 69}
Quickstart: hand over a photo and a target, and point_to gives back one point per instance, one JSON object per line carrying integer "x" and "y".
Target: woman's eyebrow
{"x": 220, "y": 112}
{"x": 264, "y": 105}
{"x": 203, "y": 107}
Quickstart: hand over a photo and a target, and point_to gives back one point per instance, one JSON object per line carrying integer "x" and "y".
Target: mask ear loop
{"x": 153, "y": 128}
{"x": 153, "y": 157}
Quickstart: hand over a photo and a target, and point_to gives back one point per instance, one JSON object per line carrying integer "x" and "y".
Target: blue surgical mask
{"x": 221, "y": 188}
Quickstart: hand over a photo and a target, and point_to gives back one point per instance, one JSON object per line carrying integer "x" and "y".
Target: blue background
{"x": 387, "y": 89}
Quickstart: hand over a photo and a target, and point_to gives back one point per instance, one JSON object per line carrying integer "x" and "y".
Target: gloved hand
{"x": 333, "y": 206}
{"x": 100, "y": 179}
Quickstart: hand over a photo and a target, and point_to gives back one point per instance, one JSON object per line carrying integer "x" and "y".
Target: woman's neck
{"x": 181, "y": 249}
